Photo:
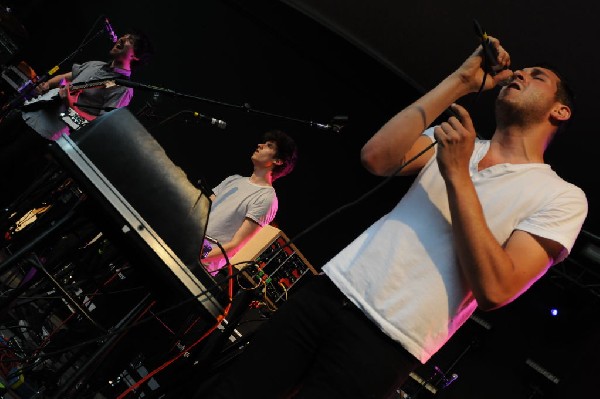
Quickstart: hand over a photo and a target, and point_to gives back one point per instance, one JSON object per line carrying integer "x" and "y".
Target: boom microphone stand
{"x": 335, "y": 125}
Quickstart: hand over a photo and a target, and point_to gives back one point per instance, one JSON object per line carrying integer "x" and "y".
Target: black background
{"x": 366, "y": 63}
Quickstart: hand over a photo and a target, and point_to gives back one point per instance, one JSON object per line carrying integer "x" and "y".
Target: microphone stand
{"x": 245, "y": 107}
{"x": 27, "y": 89}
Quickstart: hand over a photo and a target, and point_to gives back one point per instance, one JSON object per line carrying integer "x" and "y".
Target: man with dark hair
{"x": 482, "y": 222}
{"x": 242, "y": 205}
{"x": 64, "y": 103}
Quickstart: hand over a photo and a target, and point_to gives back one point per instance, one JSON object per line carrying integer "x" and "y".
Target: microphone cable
{"x": 449, "y": 110}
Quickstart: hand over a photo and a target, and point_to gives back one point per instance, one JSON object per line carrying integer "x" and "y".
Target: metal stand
{"x": 116, "y": 333}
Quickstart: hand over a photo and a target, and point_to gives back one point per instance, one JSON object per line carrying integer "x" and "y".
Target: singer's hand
{"x": 42, "y": 88}
{"x": 503, "y": 59}
{"x": 471, "y": 72}
{"x": 456, "y": 140}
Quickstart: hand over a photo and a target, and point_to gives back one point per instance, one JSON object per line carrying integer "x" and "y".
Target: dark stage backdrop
{"x": 259, "y": 65}
{"x": 220, "y": 57}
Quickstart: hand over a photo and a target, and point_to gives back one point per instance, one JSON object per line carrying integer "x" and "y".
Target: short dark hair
{"x": 564, "y": 91}
{"x": 142, "y": 47}
{"x": 287, "y": 152}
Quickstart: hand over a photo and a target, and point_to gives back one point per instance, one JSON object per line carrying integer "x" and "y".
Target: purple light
{"x": 554, "y": 312}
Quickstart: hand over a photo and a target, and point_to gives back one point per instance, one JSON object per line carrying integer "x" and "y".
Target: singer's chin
{"x": 503, "y": 104}
{"x": 508, "y": 111}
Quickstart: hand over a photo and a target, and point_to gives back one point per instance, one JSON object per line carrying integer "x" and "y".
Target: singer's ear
{"x": 561, "y": 112}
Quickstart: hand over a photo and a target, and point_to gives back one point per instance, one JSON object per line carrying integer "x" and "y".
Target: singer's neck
{"x": 121, "y": 65}
{"x": 262, "y": 177}
{"x": 515, "y": 146}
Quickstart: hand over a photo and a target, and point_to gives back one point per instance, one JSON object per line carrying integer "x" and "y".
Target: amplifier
{"x": 270, "y": 260}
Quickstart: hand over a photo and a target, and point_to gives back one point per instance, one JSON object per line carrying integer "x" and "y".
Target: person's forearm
{"x": 383, "y": 153}
{"x": 482, "y": 259}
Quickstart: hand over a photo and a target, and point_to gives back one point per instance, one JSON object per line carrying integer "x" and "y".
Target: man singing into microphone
{"x": 31, "y": 126}
{"x": 482, "y": 221}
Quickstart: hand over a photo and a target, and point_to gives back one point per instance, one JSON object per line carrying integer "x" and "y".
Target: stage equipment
{"x": 149, "y": 201}
{"x": 272, "y": 264}
{"x": 113, "y": 229}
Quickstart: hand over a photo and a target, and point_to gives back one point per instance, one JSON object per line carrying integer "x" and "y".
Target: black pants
{"x": 317, "y": 345}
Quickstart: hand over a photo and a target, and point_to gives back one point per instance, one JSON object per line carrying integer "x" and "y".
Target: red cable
{"x": 172, "y": 360}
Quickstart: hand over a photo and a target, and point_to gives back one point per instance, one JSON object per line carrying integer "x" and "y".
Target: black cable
{"x": 485, "y": 75}
{"x": 125, "y": 328}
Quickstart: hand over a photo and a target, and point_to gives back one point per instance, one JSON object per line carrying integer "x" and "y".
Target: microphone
{"x": 336, "y": 124}
{"x": 109, "y": 30}
{"x": 489, "y": 52}
{"x": 213, "y": 121}
{"x": 326, "y": 126}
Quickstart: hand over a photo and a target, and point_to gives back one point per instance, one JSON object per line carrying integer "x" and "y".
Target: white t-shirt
{"x": 402, "y": 270}
{"x": 237, "y": 198}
